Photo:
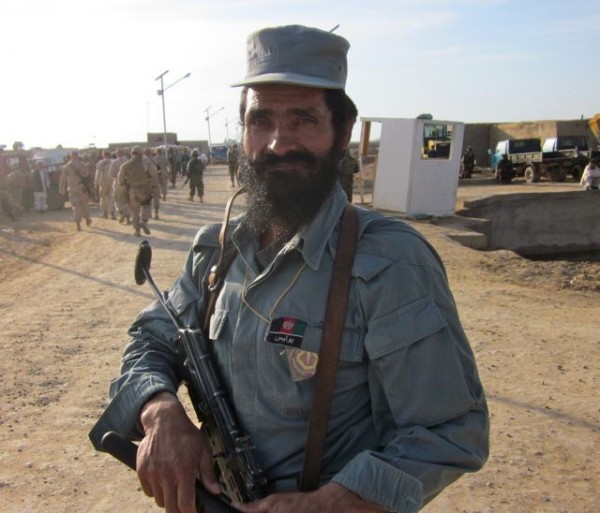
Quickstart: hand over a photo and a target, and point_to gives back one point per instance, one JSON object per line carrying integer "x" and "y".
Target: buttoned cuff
{"x": 381, "y": 483}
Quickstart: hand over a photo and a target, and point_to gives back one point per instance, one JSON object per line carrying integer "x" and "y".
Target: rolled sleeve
{"x": 379, "y": 482}
{"x": 122, "y": 414}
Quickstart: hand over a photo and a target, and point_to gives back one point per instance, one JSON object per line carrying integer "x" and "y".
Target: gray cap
{"x": 296, "y": 55}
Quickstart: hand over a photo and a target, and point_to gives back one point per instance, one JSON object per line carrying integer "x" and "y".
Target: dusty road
{"x": 68, "y": 298}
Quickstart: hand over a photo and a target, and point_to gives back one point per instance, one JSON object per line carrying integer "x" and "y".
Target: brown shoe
{"x": 145, "y": 228}
{"x": 88, "y": 221}
{"x": 137, "y": 233}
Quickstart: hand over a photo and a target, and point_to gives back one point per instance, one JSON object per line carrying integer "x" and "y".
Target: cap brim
{"x": 290, "y": 79}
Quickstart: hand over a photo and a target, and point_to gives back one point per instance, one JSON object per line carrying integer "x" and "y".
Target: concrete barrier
{"x": 540, "y": 223}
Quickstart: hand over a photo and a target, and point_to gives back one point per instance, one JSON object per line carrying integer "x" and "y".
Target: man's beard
{"x": 287, "y": 198}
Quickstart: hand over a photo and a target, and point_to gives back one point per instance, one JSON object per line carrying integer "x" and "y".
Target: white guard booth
{"x": 417, "y": 165}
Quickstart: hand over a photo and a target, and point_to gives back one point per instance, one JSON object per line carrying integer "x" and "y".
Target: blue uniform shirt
{"x": 409, "y": 414}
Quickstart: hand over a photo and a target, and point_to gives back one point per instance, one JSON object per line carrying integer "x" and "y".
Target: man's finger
{"x": 208, "y": 476}
{"x": 186, "y": 496}
{"x": 170, "y": 504}
{"x": 158, "y": 496}
{"x": 252, "y": 507}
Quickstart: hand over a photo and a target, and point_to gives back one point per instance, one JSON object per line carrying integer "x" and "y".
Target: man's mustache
{"x": 293, "y": 157}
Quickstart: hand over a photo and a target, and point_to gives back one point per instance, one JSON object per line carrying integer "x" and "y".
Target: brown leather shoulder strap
{"x": 335, "y": 315}
{"x": 219, "y": 270}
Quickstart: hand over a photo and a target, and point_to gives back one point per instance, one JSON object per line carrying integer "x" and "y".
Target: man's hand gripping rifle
{"x": 240, "y": 475}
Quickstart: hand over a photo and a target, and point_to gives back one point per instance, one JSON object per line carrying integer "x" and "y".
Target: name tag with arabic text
{"x": 286, "y": 331}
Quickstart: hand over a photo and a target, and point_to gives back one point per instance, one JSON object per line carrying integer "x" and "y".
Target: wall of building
{"x": 477, "y": 135}
{"x": 540, "y": 224}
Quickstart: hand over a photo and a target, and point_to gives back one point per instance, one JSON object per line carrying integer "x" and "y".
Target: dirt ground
{"x": 67, "y": 299}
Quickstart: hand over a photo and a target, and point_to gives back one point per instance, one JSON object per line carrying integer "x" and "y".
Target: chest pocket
{"x": 274, "y": 380}
{"x": 292, "y": 397}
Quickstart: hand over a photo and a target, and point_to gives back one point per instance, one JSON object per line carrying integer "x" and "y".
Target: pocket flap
{"x": 183, "y": 294}
{"x": 404, "y": 327}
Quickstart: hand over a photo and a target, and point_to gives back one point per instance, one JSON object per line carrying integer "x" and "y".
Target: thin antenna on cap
{"x": 335, "y": 28}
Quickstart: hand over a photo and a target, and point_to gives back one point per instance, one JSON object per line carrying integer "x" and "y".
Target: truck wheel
{"x": 54, "y": 200}
{"x": 27, "y": 200}
{"x": 558, "y": 174}
{"x": 531, "y": 174}
{"x": 576, "y": 173}
{"x": 505, "y": 177}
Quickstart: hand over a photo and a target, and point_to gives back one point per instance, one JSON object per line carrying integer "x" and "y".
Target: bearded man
{"x": 408, "y": 414}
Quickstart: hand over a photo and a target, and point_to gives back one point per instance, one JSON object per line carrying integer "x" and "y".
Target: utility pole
{"x": 208, "y": 116}
{"x": 161, "y": 93}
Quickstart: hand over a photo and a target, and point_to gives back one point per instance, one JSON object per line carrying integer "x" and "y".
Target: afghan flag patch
{"x": 286, "y": 331}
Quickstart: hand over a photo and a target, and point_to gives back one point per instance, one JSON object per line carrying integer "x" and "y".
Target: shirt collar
{"x": 311, "y": 240}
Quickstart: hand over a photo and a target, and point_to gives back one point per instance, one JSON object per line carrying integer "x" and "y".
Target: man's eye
{"x": 306, "y": 121}
{"x": 259, "y": 122}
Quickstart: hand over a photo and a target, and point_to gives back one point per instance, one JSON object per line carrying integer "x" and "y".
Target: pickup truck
{"x": 557, "y": 158}
{"x": 524, "y": 155}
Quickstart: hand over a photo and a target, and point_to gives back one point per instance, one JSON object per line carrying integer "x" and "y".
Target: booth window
{"x": 436, "y": 141}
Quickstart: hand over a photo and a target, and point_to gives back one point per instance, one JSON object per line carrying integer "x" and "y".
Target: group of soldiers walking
{"x": 128, "y": 186}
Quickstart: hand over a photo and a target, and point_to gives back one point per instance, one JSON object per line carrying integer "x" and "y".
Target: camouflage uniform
{"x": 120, "y": 192}
{"x": 195, "y": 172}
{"x": 5, "y": 202}
{"x": 233, "y": 155}
{"x": 175, "y": 165}
{"x": 75, "y": 178}
{"x": 104, "y": 184}
{"x": 152, "y": 168}
{"x": 163, "y": 172}
{"x": 135, "y": 177}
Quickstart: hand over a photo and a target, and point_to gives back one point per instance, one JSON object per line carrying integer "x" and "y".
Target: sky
{"x": 78, "y": 73}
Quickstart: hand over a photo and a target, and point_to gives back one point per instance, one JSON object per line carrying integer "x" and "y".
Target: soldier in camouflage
{"x": 135, "y": 176}
{"x": 75, "y": 179}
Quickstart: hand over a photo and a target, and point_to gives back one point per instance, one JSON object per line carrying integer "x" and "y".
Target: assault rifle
{"x": 239, "y": 474}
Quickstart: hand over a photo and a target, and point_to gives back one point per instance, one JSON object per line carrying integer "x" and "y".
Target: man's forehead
{"x": 286, "y": 97}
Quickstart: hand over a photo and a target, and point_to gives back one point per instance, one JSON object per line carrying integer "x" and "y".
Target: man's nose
{"x": 282, "y": 141}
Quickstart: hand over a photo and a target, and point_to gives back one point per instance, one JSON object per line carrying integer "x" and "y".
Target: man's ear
{"x": 346, "y": 135}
